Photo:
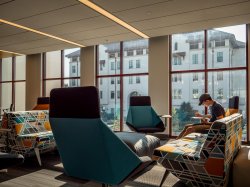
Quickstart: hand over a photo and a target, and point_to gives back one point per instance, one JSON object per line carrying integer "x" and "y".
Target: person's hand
{"x": 197, "y": 114}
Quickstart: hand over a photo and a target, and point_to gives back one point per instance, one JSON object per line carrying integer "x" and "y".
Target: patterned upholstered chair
{"x": 29, "y": 133}
{"x": 88, "y": 148}
{"x": 42, "y": 103}
{"x": 142, "y": 117}
{"x": 207, "y": 159}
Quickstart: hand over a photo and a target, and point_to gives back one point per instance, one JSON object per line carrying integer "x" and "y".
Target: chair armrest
{"x": 165, "y": 116}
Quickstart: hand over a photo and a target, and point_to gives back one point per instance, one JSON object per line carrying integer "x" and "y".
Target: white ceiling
{"x": 74, "y": 21}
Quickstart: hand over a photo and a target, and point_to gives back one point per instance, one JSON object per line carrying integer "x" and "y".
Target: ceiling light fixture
{"x": 112, "y": 17}
{"x": 10, "y": 52}
{"x": 39, "y": 32}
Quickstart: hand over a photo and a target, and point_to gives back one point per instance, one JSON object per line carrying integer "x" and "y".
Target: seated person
{"x": 216, "y": 112}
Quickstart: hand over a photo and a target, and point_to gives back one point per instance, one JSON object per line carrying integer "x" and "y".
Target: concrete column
{"x": 159, "y": 74}
{"x": 88, "y": 66}
{"x": 33, "y": 79}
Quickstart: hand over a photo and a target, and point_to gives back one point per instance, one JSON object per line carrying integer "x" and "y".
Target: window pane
{"x": 50, "y": 84}
{"x": 6, "y": 95}
{"x": 186, "y": 89}
{"x": 53, "y": 64}
{"x": 71, "y": 83}
{"x": 72, "y": 62}
{"x": 135, "y": 57}
{"x": 188, "y": 51}
{"x": 6, "y": 69}
{"x": 233, "y": 84}
{"x": 227, "y": 47}
{"x": 20, "y": 96}
{"x": 135, "y": 89}
{"x": 20, "y": 68}
{"x": 109, "y": 59}
{"x": 109, "y": 102}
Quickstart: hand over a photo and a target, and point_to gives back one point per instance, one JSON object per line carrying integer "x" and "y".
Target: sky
{"x": 239, "y": 31}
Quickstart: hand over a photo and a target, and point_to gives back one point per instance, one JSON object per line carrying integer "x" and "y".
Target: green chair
{"x": 142, "y": 117}
{"x": 88, "y": 148}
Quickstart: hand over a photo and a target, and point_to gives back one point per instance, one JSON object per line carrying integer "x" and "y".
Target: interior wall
{"x": 159, "y": 73}
{"x": 88, "y": 72}
{"x": 33, "y": 79}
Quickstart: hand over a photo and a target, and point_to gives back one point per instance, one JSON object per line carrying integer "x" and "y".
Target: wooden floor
{"x": 30, "y": 174}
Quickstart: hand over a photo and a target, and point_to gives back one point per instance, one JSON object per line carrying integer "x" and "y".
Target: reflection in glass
{"x": 20, "y": 96}
{"x": 232, "y": 84}
{"x": 227, "y": 47}
{"x": 110, "y": 102}
{"x": 185, "y": 93}
{"x": 72, "y": 62}
{"x": 135, "y": 89}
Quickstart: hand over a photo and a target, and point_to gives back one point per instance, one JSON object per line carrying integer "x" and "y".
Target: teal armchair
{"x": 88, "y": 148}
{"x": 142, "y": 117}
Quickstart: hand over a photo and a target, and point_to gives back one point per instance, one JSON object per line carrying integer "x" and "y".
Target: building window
{"x": 118, "y": 65}
{"x": 138, "y": 80}
{"x": 177, "y": 61}
{"x": 219, "y": 76}
{"x": 138, "y": 64}
{"x": 112, "y": 94}
{"x": 118, "y": 94}
{"x": 73, "y": 82}
{"x": 176, "y": 78}
{"x": 118, "y": 80}
{"x": 112, "y": 65}
{"x": 130, "y": 64}
{"x": 195, "y": 58}
{"x": 175, "y": 46}
{"x": 111, "y": 55}
{"x": 195, "y": 77}
{"x": 139, "y": 52}
{"x": 177, "y": 94}
{"x": 73, "y": 69}
{"x": 194, "y": 45}
{"x": 195, "y": 93}
{"x": 219, "y": 56}
{"x": 219, "y": 43}
{"x": 202, "y": 58}
{"x": 100, "y": 94}
{"x": 101, "y": 81}
{"x": 220, "y": 93}
{"x": 112, "y": 80}
{"x": 130, "y": 53}
{"x": 130, "y": 80}
{"x": 74, "y": 59}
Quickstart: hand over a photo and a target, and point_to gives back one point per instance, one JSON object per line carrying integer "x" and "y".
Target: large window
{"x": 61, "y": 69}
{"x": 131, "y": 78}
{"x": 222, "y": 72}
{"x": 12, "y": 83}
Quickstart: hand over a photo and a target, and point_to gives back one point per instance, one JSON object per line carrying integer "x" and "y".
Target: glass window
{"x": 6, "y": 69}
{"x": 117, "y": 85}
{"x": 100, "y": 94}
{"x": 224, "y": 68}
{"x": 53, "y": 64}
{"x": 20, "y": 72}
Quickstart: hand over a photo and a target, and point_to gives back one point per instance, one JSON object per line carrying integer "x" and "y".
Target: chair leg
{"x": 164, "y": 177}
{"x": 38, "y": 155}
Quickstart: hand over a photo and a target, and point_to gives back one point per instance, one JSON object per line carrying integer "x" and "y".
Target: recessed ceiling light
{"x": 11, "y": 52}
{"x": 112, "y": 17}
{"x": 39, "y": 32}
